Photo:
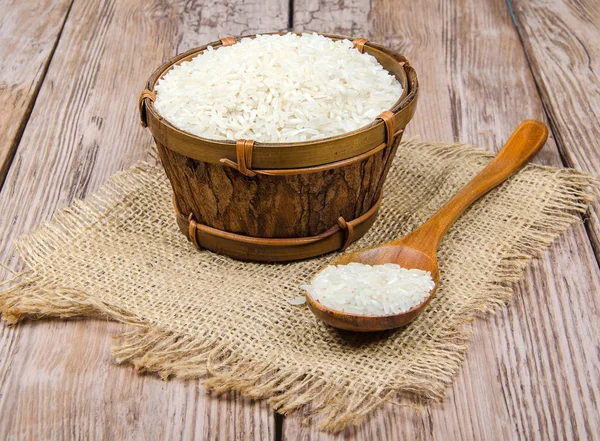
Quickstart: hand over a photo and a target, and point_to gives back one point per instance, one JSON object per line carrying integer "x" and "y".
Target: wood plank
{"x": 561, "y": 39}
{"x": 57, "y": 380}
{"x": 28, "y": 35}
{"x": 72, "y": 389}
{"x": 532, "y": 371}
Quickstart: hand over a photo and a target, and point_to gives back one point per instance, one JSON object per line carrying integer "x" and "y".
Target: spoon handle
{"x": 523, "y": 144}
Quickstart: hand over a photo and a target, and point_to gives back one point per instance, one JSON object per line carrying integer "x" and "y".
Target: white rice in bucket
{"x": 370, "y": 290}
{"x": 276, "y": 88}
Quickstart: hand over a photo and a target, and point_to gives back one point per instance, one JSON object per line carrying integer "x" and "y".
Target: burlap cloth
{"x": 119, "y": 254}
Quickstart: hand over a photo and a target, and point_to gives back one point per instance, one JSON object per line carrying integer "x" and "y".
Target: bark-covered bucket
{"x": 276, "y": 202}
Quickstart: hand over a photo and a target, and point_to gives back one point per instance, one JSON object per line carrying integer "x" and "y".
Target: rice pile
{"x": 276, "y": 88}
{"x": 370, "y": 290}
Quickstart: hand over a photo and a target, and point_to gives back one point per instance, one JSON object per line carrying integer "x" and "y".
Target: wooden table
{"x": 70, "y": 75}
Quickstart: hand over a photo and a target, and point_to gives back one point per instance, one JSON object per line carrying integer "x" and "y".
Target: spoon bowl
{"x": 392, "y": 252}
{"x": 418, "y": 250}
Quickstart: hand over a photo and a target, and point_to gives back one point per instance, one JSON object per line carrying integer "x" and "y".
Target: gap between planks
{"x": 566, "y": 81}
{"x": 12, "y": 148}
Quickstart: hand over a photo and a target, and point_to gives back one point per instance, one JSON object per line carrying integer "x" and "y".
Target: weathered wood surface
{"x": 57, "y": 379}
{"x": 531, "y": 372}
{"x": 561, "y": 39}
{"x": 60, "y": 383}
{"x": 28, "y": 35}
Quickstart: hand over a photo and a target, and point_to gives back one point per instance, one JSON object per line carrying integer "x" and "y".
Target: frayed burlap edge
{"x": 335, "y": 404}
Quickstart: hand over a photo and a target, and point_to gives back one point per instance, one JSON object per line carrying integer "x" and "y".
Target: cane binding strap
{"x": 359, "y": 44}
{"x": 261, "y": 249}
{"x": 146, "y": 94}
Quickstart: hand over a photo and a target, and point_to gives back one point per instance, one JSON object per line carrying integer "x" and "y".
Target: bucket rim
{"x": 272, "y": 155}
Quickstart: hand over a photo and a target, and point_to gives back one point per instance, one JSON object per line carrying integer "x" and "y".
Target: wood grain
{"x": 56, "y": 378}
{"x": 561, "y": 39}
{"x": 73, "y": 389}
{"x": 532, "y": 371}
{"x": 525, "y": 376}
{"x": 418, "y": 249}
{"x": 274, "y": 206}
{"x": 28, "y": 35}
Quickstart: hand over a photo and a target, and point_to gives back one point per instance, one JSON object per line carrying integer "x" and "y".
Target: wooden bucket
{"x": 273, "y": 202}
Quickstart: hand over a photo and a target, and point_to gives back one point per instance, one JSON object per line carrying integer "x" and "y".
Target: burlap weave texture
{"x": 119, "y": 254}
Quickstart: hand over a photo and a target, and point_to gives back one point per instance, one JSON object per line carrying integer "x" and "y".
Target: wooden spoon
{"x": 418, "y": 249}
